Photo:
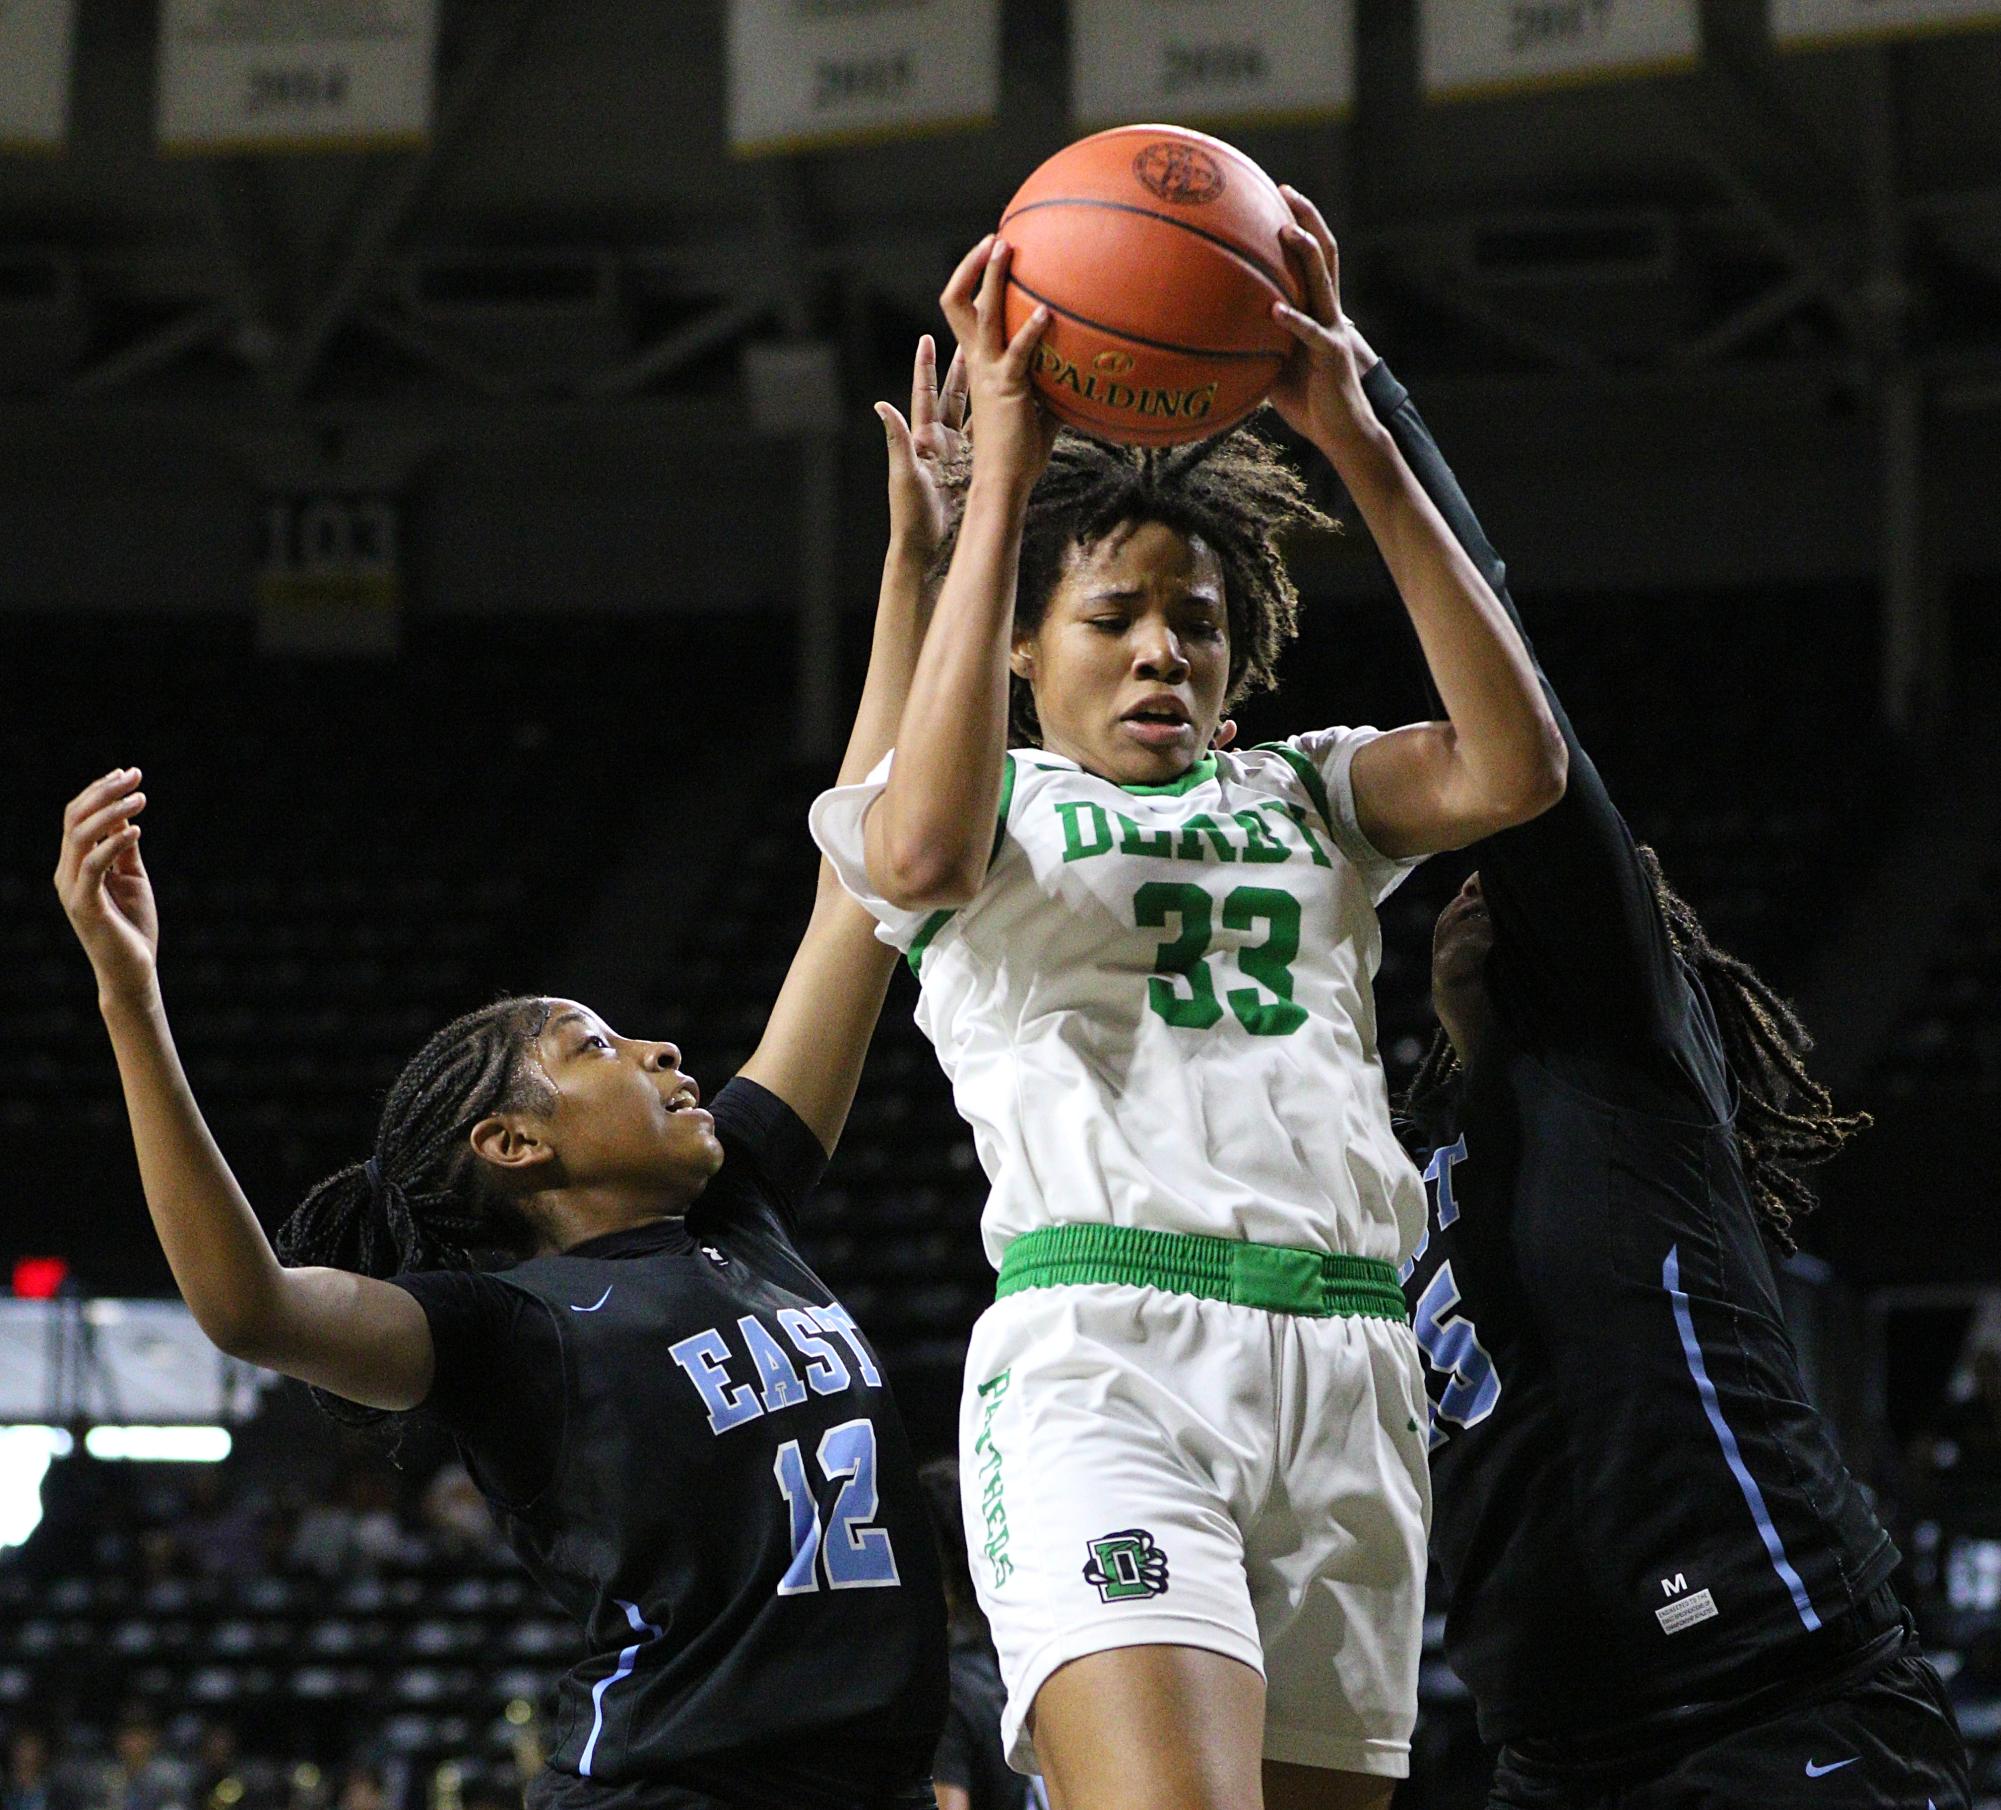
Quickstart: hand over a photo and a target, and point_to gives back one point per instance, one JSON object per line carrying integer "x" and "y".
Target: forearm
{"x": 930, "y": 833}
{"x": 222, "y": 1262}
{"x": 1397, "y": 412}
{"x": 901, "y": 616}
{"x": 1503, "y": 755}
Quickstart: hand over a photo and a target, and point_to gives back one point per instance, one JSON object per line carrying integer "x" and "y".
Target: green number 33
{"x": 1185, "y": 959}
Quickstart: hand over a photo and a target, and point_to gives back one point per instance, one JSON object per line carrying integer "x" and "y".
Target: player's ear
{"x": 1225, "y": 736}
{"x": 1021, "y": 657}
{"x": 508, "y": 1142}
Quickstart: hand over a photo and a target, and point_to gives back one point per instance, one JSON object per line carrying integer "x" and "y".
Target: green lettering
{"x": 1192, "y": 833}
{"x": 1269, "y": 963}
{"x": 1153, "y": 905}
{"x": 1075, "y": 848}
{"x": 1259, "y": 844}
{"x": 1297, "y": 813}
{"x": 1135, "y": 841}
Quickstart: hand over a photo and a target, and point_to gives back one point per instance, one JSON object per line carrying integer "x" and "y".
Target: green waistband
{"x": 1278, "y": 1278}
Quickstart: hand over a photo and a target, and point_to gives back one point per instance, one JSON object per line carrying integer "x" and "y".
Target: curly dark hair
{"x": 1786, "y": 1123}
{"x": 1237, "y": 491}
{"x": 436, "y": 1204}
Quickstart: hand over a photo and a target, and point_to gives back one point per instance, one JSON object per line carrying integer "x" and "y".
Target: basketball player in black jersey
{"x": 687, "y": 1439}
{"x": 1666, "y": 1591}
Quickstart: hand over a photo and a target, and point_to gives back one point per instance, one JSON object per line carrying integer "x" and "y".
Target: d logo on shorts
{"x": 1126, "y": 1565}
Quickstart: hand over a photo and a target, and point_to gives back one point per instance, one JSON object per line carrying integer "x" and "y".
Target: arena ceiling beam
{"x": 500, "y": 34}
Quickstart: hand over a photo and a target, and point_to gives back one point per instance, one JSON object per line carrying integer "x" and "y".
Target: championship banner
{"x": 295, "y": 75}
{"x": 805, "y": 74}
{"x": 1483, "y": 47}
{"x": 36, "y": 37}
{"x": 1804, "y": 24}
{"x": 1211, "y": 62}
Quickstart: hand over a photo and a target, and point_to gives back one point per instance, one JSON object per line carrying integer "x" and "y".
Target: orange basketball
{"x": 1156, "y": 251}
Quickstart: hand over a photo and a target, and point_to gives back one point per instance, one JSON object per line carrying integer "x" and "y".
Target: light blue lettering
{"x": 782, "y": 1387}
{"x": 703, "y": 1356}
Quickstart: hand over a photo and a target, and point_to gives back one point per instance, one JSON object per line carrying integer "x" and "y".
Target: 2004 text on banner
{"x": 295, "y": 75}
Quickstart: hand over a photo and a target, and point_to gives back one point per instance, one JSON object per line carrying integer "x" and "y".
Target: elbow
{"x": 1552, "y": 771}
{"x": 916, "y": 874}
{"x": 1542, "y": 778}
{"x": 928, "y": 886}
{"x": 238, "y": 1339}
{"x": 248, "y": 1337}
{"x": 1529, "y": 786}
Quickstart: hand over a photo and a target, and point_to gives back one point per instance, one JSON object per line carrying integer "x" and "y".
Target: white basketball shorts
{"x": 1143, "y": 1467}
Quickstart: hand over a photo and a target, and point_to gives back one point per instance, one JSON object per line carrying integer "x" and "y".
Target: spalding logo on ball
{"x": 1156, "y": 251}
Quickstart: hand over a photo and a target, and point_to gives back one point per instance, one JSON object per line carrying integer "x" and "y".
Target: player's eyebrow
{"x": 562, "y": 1018}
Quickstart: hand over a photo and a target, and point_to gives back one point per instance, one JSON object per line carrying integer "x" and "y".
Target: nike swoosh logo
{"x": 595, "y": 1305}
{"x": 1821, "y": 1772}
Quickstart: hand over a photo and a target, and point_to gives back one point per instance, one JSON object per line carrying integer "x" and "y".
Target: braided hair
{"x": 423, "y": 1199}
{"x": 1785, "y": 1122}
{"x": 1236, "y": 491}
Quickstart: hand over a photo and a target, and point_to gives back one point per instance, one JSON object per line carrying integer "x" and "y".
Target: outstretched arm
{"x": 818, "y": 1034}
{"x": 1497, "y": 758}
{"x": 358, "y": 1337}
{"x": 1567, "y": 891}
{"x": 930, "y": 835}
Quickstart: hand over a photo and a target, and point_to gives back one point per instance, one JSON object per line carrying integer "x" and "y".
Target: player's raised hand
{"x": 1319, "y": 393}
{"x": 1012, "y": 432}
{"x": 103, "y": 885}
{"x": 923, "y": 450}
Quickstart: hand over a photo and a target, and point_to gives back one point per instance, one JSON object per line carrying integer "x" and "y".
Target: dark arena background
{"x": 454, "y": 483}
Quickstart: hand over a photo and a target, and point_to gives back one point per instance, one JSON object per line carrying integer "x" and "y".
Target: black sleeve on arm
{"x": 1574, "y": 912}
{"x": 778, "y": 1159}
{"x": 498, "y": 1383}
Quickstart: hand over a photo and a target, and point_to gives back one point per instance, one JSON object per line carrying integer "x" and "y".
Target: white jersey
{"x": 1158, "y": 1010}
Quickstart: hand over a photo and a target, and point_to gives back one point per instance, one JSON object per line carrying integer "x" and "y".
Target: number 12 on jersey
{"x": 854, "y": 1556}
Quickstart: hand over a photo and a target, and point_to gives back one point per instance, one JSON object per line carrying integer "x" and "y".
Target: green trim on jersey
{"x": 1278, "y": 1278}
{"x": 1006, "y": 805}
{"x": 1309, "y": 777}
{"x": 914, "y": 955}
{"x": 1201, "y": 773}
{"x": 939, "y": 919}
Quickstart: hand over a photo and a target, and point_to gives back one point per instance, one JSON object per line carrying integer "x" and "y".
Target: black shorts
{"x": 1886, "y": 1742}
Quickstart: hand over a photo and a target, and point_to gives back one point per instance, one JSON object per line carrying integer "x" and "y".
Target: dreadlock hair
{"x": 429, "y": 1203}
{"x": 1237, "y": 491}
{"x": 1785, "y": 1124}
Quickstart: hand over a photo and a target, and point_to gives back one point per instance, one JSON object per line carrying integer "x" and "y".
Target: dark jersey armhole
{"x": 480, "y": 1393}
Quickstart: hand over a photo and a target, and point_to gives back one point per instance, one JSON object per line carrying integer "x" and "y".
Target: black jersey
{"x": 694, "y": 1450}
{"x": 1634, "y": 1503}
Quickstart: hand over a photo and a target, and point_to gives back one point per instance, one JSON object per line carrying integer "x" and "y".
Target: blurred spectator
{"x": 970, "y": 1771}
{"x": 27, "y": 1783}
{"x": 138, "y": 1776}
{"x": 221, "y": 1530}
{"x": 359, "y": 1532}
{"x": 225, "y": 1778}
{"x": 361, "y": 1788}
{"x": 456, "y": 1515}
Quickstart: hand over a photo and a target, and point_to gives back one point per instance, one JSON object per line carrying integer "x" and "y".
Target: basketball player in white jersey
{"x": 1194, "y": 1471}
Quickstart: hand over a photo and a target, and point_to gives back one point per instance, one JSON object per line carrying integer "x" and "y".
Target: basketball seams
{"x": 1140, "y": 339}
{"x": 1249, "y": 259}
